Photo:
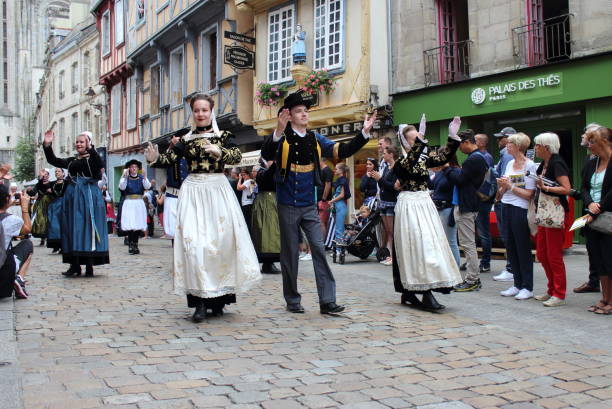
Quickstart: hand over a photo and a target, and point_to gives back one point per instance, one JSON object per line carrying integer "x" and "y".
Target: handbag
{"x": 549, "y": 212}
{"x": 603, "y": 223}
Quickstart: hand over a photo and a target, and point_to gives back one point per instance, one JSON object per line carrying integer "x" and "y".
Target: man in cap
{"x": 297, "y": 152}
{"x": 500, "y": 168}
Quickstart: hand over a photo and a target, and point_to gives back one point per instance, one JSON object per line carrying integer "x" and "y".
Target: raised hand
{"x": 368, "y": 123}
{"x": 151, "y": 152}
{"x": 48, "y": 138}
{"x": 283, "y": 120}
{"x": 423, "y": 125}
{"x": 213, "y": 150}
{"x": 453, "y": 128}
{"x": 125, "y": 172}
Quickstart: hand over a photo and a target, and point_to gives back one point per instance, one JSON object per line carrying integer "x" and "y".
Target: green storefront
{"x": 561, "y": 98}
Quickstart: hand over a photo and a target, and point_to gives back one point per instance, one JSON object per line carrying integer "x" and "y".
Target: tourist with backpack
{"x": 486, "y": 194}
{"x": 468, "y": 180}
{"x": 14, "y": 260}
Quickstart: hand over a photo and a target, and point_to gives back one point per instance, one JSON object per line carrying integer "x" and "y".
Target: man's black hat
{"x": 133, "y": 162}
{"x": 297, "y": 98}
{"x": 506, "y": 132}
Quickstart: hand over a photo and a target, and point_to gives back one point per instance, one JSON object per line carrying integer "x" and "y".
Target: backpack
{"x": 7, "y": 264}
{"x": 488, "y": 188}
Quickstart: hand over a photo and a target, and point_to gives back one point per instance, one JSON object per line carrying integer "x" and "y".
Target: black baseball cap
{"x": 506, "y": 132}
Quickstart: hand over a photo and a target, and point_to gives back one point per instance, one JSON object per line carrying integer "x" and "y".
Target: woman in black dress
{"x": 83, "y": 218}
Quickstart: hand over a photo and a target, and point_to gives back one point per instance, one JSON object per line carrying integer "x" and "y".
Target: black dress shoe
{"x": 72, "y": 273}
{"x": 331, "y": 308}
{"x": 295, "y": 308}
{"x": 136, "y": 249}
{"x": 463, "y": 267}
{"x": 410, "y": 298}
{"x": 200, "y": 314}
{"x": 89, "y": 271}
{"x": 430, "y": 303}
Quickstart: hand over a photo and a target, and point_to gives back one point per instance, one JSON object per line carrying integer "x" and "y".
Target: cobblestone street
{"x": 122, "y": 340}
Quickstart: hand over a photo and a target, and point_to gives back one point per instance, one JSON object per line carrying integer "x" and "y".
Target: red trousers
{"x": 323, "y": 210}
{"x": 549, "y": 250}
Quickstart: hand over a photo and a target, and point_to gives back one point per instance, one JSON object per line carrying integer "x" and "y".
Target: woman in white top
{"x": 515, "y": 191}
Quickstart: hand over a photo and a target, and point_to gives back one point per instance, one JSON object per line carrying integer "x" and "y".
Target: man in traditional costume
{"x": 297, "y": 152}
{"x": 133, "y": 209}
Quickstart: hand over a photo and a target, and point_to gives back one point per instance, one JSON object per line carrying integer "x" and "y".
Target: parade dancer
{"x": 422, "y": 258}
{"x": 83, "y": 218}
{"x": 214, "y": 258}
{"x": 297, "y": 155}
{"x": 54, "y": 212}
{"x": 176, "y": 172}
{"x": 133, "y": 210}
{"x": 265, "y": 230}
{"x": 39, "y": 210}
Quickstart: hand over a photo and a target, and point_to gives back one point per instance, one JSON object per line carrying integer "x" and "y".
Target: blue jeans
{"x": 484, "y": 232}
{"x": 340, "y": 207}
{"x": 501, "y": 225}
{"x": 451, "y": 233}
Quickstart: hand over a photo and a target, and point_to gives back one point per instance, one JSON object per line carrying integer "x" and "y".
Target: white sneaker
{"x": 306, "y": 257}
{"x": 504, "y": 276}
{"x": 542, "y": 297}
{"x": 524, "y": 294}
{"x": 510, "y": 292}
{"x": 554, "y": 302}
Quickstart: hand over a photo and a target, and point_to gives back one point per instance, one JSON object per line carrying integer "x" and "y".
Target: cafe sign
{"x": 528, "y": 88}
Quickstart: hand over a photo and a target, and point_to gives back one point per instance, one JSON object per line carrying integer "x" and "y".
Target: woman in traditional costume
{"x": 214, "y": 258}
{"x": 265, "y": 230}
{"x": 133, "y": 209}
{"x": 422, "y": 261}
{"x": 54, "y": 231}
{"x": 83, "y": 217}
{"x": 40, "y": 218}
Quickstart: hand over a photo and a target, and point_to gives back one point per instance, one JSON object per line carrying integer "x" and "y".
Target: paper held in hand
{"x": 579, "y": 223}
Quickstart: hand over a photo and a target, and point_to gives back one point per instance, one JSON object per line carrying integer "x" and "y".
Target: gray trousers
{"x": 291, "y": 219}
{"x": 467, "y": 229}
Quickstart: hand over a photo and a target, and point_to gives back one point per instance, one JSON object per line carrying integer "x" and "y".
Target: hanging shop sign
{"x": 239, "y": 37}
{"x": 239, "y": 57}
{"x": 528, "y": 88}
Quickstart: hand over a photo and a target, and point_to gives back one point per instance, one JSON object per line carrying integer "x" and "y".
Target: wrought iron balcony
{"x": 447, "y": 63}
{"x": 542, "y": 42}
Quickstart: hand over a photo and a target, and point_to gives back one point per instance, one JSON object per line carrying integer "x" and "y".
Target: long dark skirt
{"x": 54, "y": 216}
{"x": 84, "y": 231}
{"x": 41, "y": 221}
{"x": 265, "y": 230}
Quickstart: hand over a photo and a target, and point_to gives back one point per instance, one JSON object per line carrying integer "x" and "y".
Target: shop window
{"x": 329, "y": 33}
{"x": 546, "y": 36}
{"x": 280, "y": 39}
{"x": 449, "y": 61}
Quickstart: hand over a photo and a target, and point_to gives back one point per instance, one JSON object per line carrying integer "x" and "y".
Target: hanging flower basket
{"x": 268, "y": 94}
{"x": 319, "y": 81}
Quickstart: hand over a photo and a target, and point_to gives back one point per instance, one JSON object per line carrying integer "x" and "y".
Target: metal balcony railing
{"x": 542, "y": 42}
{"x": 447, "y": 63}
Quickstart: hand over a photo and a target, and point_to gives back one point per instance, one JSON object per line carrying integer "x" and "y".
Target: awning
{"x": 248, "y": 159}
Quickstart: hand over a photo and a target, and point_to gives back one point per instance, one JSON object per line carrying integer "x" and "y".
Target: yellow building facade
{"x": 348, "y": 38}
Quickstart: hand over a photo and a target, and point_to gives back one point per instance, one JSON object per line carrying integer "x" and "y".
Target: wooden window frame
{"x": 276, "y": 56}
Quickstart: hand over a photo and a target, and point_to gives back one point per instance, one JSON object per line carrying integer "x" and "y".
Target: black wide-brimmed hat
{"x": 297, "y": 98}
{"x": 133, "y": 162}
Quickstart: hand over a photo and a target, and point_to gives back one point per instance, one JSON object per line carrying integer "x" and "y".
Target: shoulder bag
{"x": 603, "y": 223}
{"x": 549, "y": 211}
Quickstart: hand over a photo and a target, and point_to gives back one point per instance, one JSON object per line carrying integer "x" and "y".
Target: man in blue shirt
{"x": 500, "y": 168}
{"x": 297, "y": 152}
{"x": 483, "y": 224}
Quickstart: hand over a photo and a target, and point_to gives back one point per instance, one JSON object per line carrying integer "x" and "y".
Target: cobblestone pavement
{"x": 122, "y": 340}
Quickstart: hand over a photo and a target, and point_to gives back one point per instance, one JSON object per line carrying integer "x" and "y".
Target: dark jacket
{"x": 387, "y": 186}
{"x": 468, "y": 179}
{"x": 368, "y": 186}
{"x": 606, "y": 189}
{"x": 442, "y": 188}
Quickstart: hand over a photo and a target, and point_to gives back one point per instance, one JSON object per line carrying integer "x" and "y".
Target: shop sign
{"x": 340, "y": 129}
{"x": 239, "y": 57}
{"x": 239, "y": 37}
{"x": 535, "y": 87}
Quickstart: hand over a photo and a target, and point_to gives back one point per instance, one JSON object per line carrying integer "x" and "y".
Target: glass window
{"x": 131, "y": 102}
{"x": 177, "y": 85}
{"x": 106, "y": 33}
{"x": 329, "y": 34}
{"x": 209, "y": 60}
{"x": 119, "y": 22}
{"x": 116, "y": 109}
{"x": 280, "y": 39}
{"x": 155, "y": 91}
